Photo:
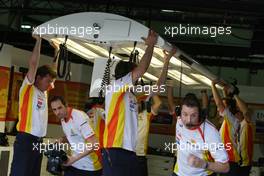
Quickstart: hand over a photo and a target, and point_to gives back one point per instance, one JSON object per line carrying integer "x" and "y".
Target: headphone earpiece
{"x": 178, "y": 110}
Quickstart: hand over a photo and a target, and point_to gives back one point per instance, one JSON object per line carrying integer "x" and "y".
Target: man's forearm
{"x": 217, "y": 98}
{"x": 218, "y": 167}
{"x": 83, "y": 154}
{"x": 170, "y": 99}
{"x": 36, "y": 53}
{"x": 145, "y": 61}
{"x": 163, "y": 74}
{"x": 241, "y": 104}
{"x": 34, "y": 60}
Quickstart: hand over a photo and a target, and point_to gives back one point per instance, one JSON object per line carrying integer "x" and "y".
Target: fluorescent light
{"x": 185, "y": 79}
{"x": 77, "y": 48}
{"x": 150, "y": 76}
{"x": 177, "y": 62}
{"x": 101, "y": 50}
{"x": 171, "y": 11}
{"x": 202, "y": 78}
{"x": 168, "y": 11}
{"x": 24, "y": 26}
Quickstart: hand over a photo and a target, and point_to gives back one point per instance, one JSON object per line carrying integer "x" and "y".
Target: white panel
{"x": 117, "y": 28}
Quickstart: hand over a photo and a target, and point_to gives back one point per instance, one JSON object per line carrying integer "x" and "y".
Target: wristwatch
{"x": 205, "y": 166}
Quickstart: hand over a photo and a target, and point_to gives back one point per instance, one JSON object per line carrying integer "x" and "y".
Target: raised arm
{"x": 156, "y": 104}
{"x": 143, "y": 65}
{"x": 34, "y": 59}
{"x": 243, "y": 108}
{"x": 171, "y": 104}
{"x": 205, "y": 102}
{"x": 218, "y": 101}
{"x": 164, "y": 71}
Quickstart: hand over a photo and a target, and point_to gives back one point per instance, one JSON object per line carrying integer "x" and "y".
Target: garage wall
{"x": 244, "y": 76}
{"x": 5, "y": 60}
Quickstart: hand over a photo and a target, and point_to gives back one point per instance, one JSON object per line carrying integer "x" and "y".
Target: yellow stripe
{"x": 176, "y": 168}
{"x": 206, "y": 158}
{"x": 120, "y": 126}
{"x": 96, "y": 163}
{"x": 30, "y": 115}
{"x": 146, "y": 141}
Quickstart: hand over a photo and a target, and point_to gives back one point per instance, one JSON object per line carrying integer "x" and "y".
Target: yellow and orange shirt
{"x": 144, "y": 119}
{"x": 246, "y": 143}
{"x": 229, "y": 132}
{"x": 121, "y": 115}
{"x": 33, "y": 110}
{"x": 98, "y": 122}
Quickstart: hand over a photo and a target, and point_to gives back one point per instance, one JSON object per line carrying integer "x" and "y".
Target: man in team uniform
{"x": 246, "y": 139}
{"x": 95, "y": 111}
{"x": 33, "y": 115}
{"x": 144, "y": 120}
{"x": 146, "y": 115}
{"x": 120, "y": 135}
{"x": 200, "y": 151}
{"x": 229, "y": 130}
{"x": 78, "y": 130}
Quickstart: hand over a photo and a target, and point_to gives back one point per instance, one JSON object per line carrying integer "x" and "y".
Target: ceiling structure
{"x": 243, "y": 48}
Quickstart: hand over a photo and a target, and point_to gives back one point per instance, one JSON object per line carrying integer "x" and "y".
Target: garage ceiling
{"x": 243, "y": 48}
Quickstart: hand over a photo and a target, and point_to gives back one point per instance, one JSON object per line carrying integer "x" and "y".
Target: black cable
{"x": 180, "y": 88}
{"x": 132, "y": 57}
{"x": 68, "y": 74}
{"x": 106, "y": 77}
{"x": 63, "y": 56}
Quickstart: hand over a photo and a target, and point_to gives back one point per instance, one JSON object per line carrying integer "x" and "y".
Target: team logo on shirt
{"x": 40, "y": 102}
{"x": 193, "y": 141}
{"x": 132, "y": 104}
{"x": 73, "y": 133}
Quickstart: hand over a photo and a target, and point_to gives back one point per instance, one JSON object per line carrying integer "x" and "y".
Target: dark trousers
{"x": 26, "y": 158}
{"x": 142, "y": 166}
{"x": 72, "y": 171}
{"x": 233, "y": 171}
{"x": 244, "y": 171}
{"x": 119, "y": 162}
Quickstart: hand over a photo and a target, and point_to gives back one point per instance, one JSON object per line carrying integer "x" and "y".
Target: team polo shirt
{"x": 78, "y": 130}
{"x": 121, "y": 115}
{"x": 246, "y": 143}
{"x": 33, "y": 110}
{"x": 229, "y": 134}
{"x": 203, "y": 142}
{"x": 144, "y": 119}
{"x": 98, "y": 122}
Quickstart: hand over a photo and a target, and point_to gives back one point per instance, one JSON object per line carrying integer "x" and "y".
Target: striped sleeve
{"x": 83, "y": 124}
